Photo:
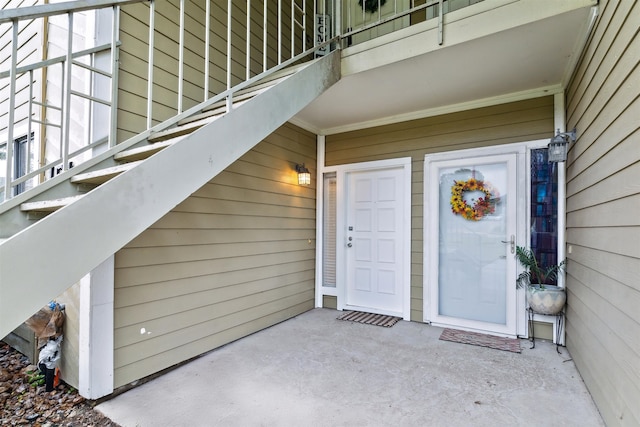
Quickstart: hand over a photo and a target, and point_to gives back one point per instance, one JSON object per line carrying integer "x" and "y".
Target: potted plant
{"x": 541, "y": 297}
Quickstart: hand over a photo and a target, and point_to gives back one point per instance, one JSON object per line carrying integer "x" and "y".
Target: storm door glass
{"x": 474, "y": 242}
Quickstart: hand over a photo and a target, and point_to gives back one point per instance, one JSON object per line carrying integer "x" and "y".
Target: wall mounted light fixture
{"x": 559, "y": 144}
{"x": 304, "y": 176}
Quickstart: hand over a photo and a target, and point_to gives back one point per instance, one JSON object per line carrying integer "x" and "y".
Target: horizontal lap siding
{"x": 502, "y": 124}
{"x": 603, "y": 224}
{"x": 235, "y": 257}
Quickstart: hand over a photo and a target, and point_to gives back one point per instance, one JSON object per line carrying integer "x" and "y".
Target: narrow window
{"x": 19, "y": 166}
{"x": 329, "y": 232}
{"x": 20, "y": 162}
{"x": 544, "y": 208}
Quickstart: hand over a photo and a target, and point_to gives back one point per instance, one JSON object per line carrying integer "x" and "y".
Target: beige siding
{"x": 235, "y": 257}
{"x": 501, "y": 124}
{"x": 134, "y": 35}
{"x": 329, "y": 302}
{"x": 603, "y": 224}
{"x": 69, "y": 362}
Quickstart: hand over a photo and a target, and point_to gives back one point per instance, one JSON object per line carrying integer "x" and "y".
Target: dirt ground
{"x": 23, "y": 401}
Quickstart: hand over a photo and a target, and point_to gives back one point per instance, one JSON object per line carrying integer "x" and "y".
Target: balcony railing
{"x": 378, "y": 17}
{"x": 55, "y": 104}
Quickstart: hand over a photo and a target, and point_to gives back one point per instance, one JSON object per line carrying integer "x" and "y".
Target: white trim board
{"x": 341, "y": 171}
{"x": 522, "y": 148}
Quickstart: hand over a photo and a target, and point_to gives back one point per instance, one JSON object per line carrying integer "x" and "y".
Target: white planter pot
{"x": 549, "y": 300}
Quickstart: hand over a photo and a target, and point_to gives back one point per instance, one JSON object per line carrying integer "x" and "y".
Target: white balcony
{"x": 493, "y": 51}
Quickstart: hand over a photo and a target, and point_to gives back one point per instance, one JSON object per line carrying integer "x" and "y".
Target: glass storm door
{"x": 471, "y": 239}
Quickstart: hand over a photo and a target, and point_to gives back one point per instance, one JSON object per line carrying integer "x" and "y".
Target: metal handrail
{"x": 299, "y": 24}
{"x": 23, "y": 197}
{"x": 53, "y": 9}
{"x": 299, "y": 21}
{"x": 298, "y": 27}
{"x": 67, "y": 61}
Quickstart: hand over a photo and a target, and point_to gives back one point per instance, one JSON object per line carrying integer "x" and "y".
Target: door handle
{"x": 512, "y": 243}
{"x": 349, "y": 244}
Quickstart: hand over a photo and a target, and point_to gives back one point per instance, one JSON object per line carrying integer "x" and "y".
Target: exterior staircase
{"x": 52, "y": 237}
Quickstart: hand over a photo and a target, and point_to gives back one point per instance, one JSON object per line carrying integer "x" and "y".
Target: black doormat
{"x": 369, "y": 318}
{"x": 482, "y": 340}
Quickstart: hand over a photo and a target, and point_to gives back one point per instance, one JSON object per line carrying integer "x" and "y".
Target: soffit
{"x": 523, "y": 60}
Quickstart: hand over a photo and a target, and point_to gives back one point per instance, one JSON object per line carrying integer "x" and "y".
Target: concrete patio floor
{"x": 314, "y": 370}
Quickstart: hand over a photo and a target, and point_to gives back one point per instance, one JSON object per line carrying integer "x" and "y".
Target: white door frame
{"x": 341, "y": 172}
{"x": 432, "y": 224}
{"x": 522, "y": 173}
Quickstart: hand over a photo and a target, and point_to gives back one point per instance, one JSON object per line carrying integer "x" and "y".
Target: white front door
{"x": 375, "y": 249}
{"x": 471, "y": 231}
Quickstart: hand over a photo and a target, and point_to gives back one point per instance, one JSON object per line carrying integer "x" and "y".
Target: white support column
{"x": 320, "y": 144}
{"x": 559, "y": 119}
{"x": 96, "y": 324}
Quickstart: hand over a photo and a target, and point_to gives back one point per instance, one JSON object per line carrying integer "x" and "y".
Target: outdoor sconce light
{"x": 304, "y": 176}
{"x": 559, "y": 144}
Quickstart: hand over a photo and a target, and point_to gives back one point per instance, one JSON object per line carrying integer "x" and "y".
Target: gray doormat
{"x": 369, "y": 318}
{"x": 482, "y": 340}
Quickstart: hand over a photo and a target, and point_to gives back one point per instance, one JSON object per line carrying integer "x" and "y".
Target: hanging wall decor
{"x": 371, "y": 6}
{"x": 484, "y": 205}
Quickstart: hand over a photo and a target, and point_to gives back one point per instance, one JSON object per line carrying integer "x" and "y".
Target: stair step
{"x": 48, "y": 205}
{"x": 144, "y": 152}
{"x": 219, "y": 108}
{"x": 214, "y": 114}
{"x": 285, "y": 72}
{"x": 209, "y": 114}
{"x": 180, "y": 130}
{"x": 192, "y": 123}
{"x": 247, "y": 93}
{"x": 103, "y": 175}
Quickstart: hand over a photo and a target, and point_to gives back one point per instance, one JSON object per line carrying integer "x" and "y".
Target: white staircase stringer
{"x": 40, "y": 262}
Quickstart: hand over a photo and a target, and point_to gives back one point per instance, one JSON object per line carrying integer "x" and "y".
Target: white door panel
{"x": 375, "y": 262}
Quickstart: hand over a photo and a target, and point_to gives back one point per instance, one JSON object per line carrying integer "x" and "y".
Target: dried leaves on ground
{"x": 24, "y": 401}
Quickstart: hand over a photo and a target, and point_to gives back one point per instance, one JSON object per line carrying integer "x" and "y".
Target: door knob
{"x": 349, "y": 244}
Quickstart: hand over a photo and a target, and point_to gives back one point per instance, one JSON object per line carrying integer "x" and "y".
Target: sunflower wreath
{"x": 371, "y": 5}
{"x": 481, "y": 207}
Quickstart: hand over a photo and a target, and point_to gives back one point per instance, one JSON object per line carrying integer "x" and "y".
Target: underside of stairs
{"x": 51, "y": 240}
